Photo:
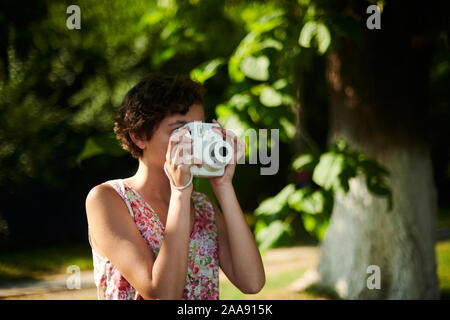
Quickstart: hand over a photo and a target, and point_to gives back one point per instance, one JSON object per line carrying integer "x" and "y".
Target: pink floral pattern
{"x": 202, "y": 277}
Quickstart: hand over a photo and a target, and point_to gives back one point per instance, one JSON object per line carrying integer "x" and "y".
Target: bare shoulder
{"x": 103, "y": 196}
{"x": 100, "y": 191}
{"x": 112, "y": 231}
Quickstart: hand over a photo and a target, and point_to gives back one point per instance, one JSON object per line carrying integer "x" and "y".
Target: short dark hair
{"x": 149, "y": 102}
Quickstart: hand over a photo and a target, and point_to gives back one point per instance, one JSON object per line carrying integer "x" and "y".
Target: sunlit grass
{"x": 443, "y": 263}
{"x": 275, "y": 288}
{"x": 276, "y": 284}
{"x": 35, "y": 263}
{"x": 29, "y": 264}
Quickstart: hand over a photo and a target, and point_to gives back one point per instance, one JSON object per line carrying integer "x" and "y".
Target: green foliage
{"x": 326, "y": 174}
{"x": 276, "y": 206}
{"x": 318, "y": 31}
{"x": 256, "y": 67}
{"x": 276, "y": 234}
{"x": 60, "y": 89}
{"x": 97, "y": 145}
{"x": 331, "y": 172}
{"x": 33, "y": 263}
{"x": 206, "y": 70}
{"x": 243, "y": 62}
{"x": 261, "y": 74}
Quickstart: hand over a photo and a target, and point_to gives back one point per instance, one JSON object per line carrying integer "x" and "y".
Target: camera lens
{"x": 223, "y": 151}
{"x": 214, "y": 152}
{"x": 217, "y": 154}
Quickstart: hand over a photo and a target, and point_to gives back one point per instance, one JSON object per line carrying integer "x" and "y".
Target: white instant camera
{"x": 209, "y": 147}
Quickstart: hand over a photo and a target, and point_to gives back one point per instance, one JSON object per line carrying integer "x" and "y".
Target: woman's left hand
{"x": 238, "y": 151}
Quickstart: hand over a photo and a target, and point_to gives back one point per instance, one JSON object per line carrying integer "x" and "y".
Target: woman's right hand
{"x": 179, "y": 158}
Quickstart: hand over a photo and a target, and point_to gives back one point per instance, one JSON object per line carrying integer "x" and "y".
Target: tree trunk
{"x": 363, "y": 233}
{"x": 379, "y": 106}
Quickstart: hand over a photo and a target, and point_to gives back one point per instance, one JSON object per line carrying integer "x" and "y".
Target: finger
{"x": 186, "y": 146}
{"x": 185, "y": 140}
{"x": 229, "y": 133}
{"x": 178, "y": 151}
{"x": 216, "y": 122}
{"x": 181, "y": 159}
{"x": 196, "y": 162}
{"x": 174, "y": 155}
{"x": 176, "y": 136}
{"x": 176, "y": 139}
{"x": 230, "y": 137}
{"x": 219, "y": 131}
{"x": 173, "y": 140}
{"x": 185, "y": 156}
{"x": 241, "y": 147}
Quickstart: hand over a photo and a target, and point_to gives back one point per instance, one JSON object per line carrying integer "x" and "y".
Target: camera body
{"x": 208, "y": 146}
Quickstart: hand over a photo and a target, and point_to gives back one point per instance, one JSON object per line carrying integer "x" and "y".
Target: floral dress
{"x": 202, "y": 277}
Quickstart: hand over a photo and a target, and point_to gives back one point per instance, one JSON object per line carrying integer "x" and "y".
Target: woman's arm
{"x": 238, "y": 253}
{"x": 115, "y": 235}
{"x": 169, "y": 270}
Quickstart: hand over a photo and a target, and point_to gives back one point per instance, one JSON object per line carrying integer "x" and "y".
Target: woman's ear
{"x": 137, "y": 139}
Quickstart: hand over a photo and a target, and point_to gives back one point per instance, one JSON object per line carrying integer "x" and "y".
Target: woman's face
{"x": 154, "y": 150}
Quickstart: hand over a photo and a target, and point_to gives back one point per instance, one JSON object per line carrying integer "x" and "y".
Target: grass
{"x": 443, "y": 263}
{"x": 35, "y": 263}
{"x": 32, "y": 264}
{"x": 276, "y": 284}
{"x": 274, "y": 289}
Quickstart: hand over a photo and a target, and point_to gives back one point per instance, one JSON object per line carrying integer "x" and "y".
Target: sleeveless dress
{"x": 202, "y": 277}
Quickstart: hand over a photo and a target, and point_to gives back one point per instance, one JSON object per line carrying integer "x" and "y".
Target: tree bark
{"x": 363, "y": 233}
{"x": 379, "y": 106}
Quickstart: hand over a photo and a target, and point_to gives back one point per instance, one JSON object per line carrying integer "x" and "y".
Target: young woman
{"x": 150, "y": 237}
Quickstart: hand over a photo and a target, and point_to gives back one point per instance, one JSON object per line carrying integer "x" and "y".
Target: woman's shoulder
{"x": 107, "y": 191}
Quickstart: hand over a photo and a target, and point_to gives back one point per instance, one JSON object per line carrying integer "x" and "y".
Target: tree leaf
{"x": 315, "y": 30}
{"x": 276, "y": 234}
{"x": 98, "y": 145}
{"x": 206, "y": 70}
{"x": 240, "y": 101}
{"x": 303, "y": 201}
{"x": 256, "y": 67}
{"x": 326, "y": 173}
{"x": 309, "y": 223}
{"x": 288, "y": 127}
{"x": 295, "y": 199}
{"x": 271, "y": 97}
{"x": 223, "y": 111}
{"x": 302, "y": 161}
{"x": 275, "y": 205}
{"x": 313, "y": 203}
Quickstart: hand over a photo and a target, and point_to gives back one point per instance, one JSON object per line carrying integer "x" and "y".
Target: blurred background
{"x": 359, "y": 96}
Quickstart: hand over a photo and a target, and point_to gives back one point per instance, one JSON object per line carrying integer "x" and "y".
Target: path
{"x": 55, "y": 288}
